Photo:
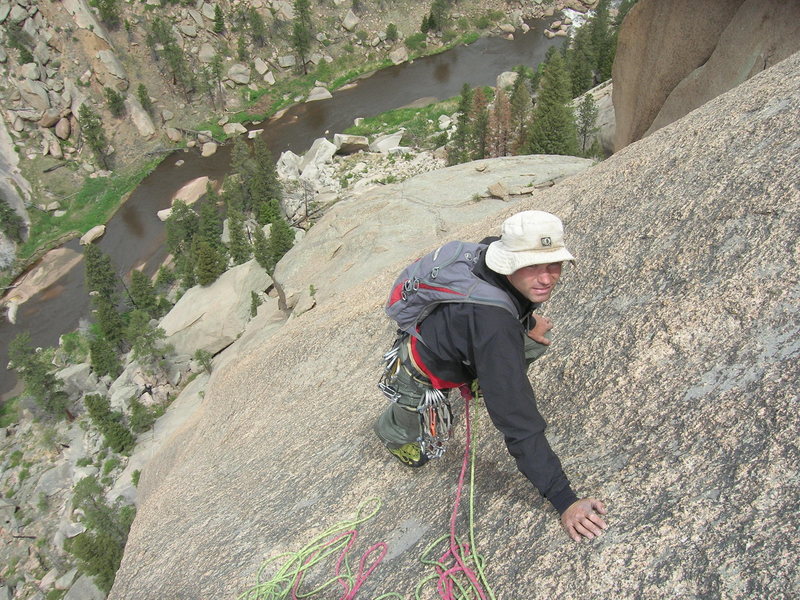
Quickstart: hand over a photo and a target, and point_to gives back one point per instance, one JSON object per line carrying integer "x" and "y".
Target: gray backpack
{"x": 443, "y": 276}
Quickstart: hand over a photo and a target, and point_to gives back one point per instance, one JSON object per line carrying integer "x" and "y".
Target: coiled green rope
{"x": 457, "y": 563}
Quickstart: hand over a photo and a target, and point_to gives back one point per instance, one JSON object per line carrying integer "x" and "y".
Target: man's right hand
{"x": 543, "y": 325}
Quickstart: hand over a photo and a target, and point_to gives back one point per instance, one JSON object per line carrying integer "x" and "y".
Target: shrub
{"x": 416, "y": 42}
{"x": 391, "y": 32}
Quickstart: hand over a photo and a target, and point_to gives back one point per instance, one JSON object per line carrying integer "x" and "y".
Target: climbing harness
{"x": 433, "y": 407}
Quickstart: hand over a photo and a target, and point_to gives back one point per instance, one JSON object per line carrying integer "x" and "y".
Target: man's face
{"x": 536, "y": 282}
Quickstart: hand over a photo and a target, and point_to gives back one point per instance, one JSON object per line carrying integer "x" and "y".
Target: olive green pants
{"x": 400, "y": 423}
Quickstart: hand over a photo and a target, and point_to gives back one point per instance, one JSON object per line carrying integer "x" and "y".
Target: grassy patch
{"x": 421, "y": 124}
{"x": 9, "y": 412}
{"x": 93, "y": 204}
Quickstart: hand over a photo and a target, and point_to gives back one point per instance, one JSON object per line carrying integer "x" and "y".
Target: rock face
{"x": 734, "y": 40}
{"x": 211, "y": 318}
{"x": 670, "y": 389}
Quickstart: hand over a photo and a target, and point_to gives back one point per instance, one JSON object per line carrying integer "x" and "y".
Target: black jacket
{"x": 464, "y": 341}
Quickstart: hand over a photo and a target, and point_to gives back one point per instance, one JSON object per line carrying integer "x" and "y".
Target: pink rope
{"x": 362, "y": 574}
{"x": 445, "y": 583}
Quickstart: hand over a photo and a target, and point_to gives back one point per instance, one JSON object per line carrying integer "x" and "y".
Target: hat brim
{"x": 504, "y": 261}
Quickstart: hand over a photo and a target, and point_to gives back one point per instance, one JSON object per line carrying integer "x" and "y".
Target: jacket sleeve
{"x": 499, "y": 361}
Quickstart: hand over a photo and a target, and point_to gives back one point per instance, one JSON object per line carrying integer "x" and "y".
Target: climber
{"x": 488, "y": 335}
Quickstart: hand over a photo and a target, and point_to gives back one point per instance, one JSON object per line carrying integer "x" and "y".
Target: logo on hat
{"x": 547, "y": 242}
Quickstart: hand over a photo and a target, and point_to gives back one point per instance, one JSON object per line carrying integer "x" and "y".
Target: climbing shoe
{"x": 410, "y": 454}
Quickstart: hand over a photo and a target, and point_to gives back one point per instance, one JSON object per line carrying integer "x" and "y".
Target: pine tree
{"x": 144, "y": 99}
{"x": 93, "y": 134}
{"x": 10, "y": 222}
{"x": 301, "y": 30}
{"x": 265, "y": 182}
{"x": 146, "y": 341}
{"x": 479, "y": 115}
{"x": 109, "y": 321}
{"x": 143, "y": 294}
{"x": 553, "y": 128}
{"x": 209, "y": 261}
{"x": 239, "y": 247}
{"x": 181, "y": 226}
{"x": 581, "y": 60}
{"x": 209, "y": 226}
{"x": 603, "y": 41}
{"x": 258, "y": 30}
{"x": 459, "y": 151}
{"x": 438, "y": 15}
{"x": 109, "y": 12}
{"x": 37, "y": 374}
{"x": 587, "y": 117}
{"x": 219, "y": 20}
{"x": 103, "y": 358}
{"x": 499, "y": 135}
{"x": 261, "y": 250}
{"x": 281, "y": 239}
{"x": 115, "y": 101}
{"x": 521, "y": 105}
{"x": 100, "y": 275}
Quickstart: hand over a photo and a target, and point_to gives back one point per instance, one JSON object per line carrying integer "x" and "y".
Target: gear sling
{"x": 442, "y": 276}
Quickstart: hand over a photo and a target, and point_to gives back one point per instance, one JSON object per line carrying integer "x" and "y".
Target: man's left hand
{"x": 581, "y": 519}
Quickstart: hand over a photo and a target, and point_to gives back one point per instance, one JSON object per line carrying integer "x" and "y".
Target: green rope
{"x": 285, "y": 583}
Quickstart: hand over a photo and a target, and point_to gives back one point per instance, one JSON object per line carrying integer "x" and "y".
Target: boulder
{"x": 209, "y": 149}
{"x": 321, "y": 151}
{"x": 85, "y": 19}
{"x": 234, "y": 128}
{"x": 506, "y": 79}
{"x": 760, "y": 34}
{"x": 174, "y": 135}
{"x": 84, "y": 588}
{"x": 78, "y": 380}
{"x": 269, "y": 78}
{"x": 114, "y": 67}
{"x": 51, "y": 117}
{"x": 349, "y": 144}
{"x": 350, "y": 21}
{"x": 30, "y": 71}
{"x": 399, "y": 55}
{"x": 288, "y": 165}
{"x": 140, "y": 117}
{"x": 260, "y": 66}
{"x": 63, "y": 129}
{"x": 207, "y": 53}
{"x": 210, "y": 318}
{"x": 188, "y": 30}
{"x": 318, "y": 93}
{"x": 34, "y": 93}
{"x": 444, "y": 122}
{"x": 385, "y": 143}
{"x": 239, "y": 74}
{"x": 91, "y": 235}
{"x": 642, "y": 78}
{"x": 192, "y": 191}
{"x": 287, "y": 61}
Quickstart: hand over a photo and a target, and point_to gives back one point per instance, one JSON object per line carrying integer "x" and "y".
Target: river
{"x": 135, "y": 236}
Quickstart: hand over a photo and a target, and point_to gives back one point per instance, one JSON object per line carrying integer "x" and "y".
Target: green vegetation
{"x": 109, "y": 423}
{"x": 142, "y": 417}
{"x": 99, "y": 550}
{"x": 11, "y": 223}
{"x": 204, "y": 357}
{"x": 135, "y": 477}
{"x": 115, "y": 102}
{"x": 9, "y": 412}
{"x": 421, "y": 124}
{"x": 93, "y": 134}
{"x": 37, "y": 372}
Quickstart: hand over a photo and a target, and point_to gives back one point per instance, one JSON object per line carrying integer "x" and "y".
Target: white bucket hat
{"x": 531, "y": 237}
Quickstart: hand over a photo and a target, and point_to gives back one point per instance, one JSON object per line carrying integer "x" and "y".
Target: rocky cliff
{"x": 713, "y": 46}
{"x": 671, "y": 393}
